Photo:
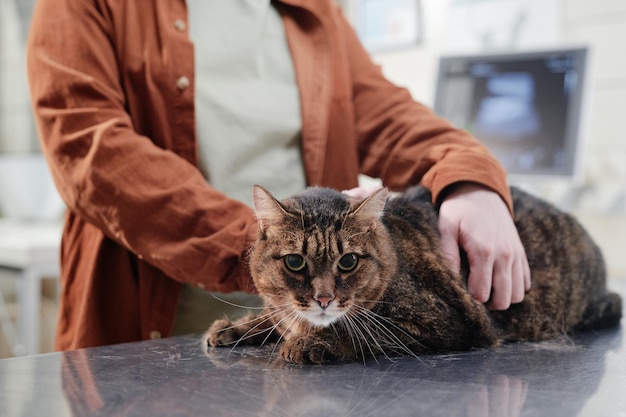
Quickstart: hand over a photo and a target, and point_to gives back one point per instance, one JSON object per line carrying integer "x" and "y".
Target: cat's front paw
{"x": 221, "y": 333}
{"x": 303, "y": 350}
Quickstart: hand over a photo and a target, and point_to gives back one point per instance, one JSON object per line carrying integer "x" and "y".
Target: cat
{"x": 343, "y": 279}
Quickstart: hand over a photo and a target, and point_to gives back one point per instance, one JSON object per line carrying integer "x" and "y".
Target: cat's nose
{"x": 324, "y": 300}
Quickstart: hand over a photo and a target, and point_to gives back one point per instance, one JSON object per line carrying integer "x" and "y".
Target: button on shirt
{"x": 248, "y": 121}
{"x": 182, "y": 83}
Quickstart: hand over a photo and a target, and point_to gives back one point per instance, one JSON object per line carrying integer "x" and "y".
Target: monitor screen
{"x": 525, "y": 107}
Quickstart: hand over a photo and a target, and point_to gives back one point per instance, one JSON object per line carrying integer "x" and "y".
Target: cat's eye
{"x": 295, "y": 262}
{"x": 348, "y": 262}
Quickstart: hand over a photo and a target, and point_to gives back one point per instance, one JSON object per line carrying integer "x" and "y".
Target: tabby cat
{"x": 347, "y": 279}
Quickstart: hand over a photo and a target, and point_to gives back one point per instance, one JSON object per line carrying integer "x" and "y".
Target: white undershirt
{"x": 247, "y": 101}
{"x": 248, "y": 122}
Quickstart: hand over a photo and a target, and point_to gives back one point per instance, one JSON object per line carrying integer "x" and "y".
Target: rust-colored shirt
{"x": 112, "y": 85}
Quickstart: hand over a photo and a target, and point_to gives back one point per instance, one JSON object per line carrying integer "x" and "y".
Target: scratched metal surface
{"x": 584, "y": 376}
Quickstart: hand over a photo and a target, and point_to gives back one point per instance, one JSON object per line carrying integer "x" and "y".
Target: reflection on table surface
{"x": 580, "y": 376}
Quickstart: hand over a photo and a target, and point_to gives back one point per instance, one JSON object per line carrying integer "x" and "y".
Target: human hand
{"x": 504, "y": 396}
{"x": 507, "y": 396}
{"x": 362, "y": 192}
{"x": 476, "y": 219}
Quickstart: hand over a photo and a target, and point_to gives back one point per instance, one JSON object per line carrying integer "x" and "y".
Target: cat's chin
{"x": 321, "y": 318}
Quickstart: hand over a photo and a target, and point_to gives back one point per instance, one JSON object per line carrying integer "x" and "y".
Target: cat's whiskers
{"x": 381, "y": 324}
{"x": 357, "y": 234}
{"x": 355, "y": 334}
{"x": 262, "y": 319}
{"x": 380, "y": 320}
{"x": 365, "y": 325}
{"x": 266, "y": 315}
{"x": 345, "y": 218}
{"x": 292, "y": 235}
{"x": 230, "y": 303}
{"x": 267, "y": 312}
{"x": 295, "y": 317}
{"x": 399, "y": 343}
{"x": 360, "y": 329}
{"x": 349, "y": 329}
{"x": 302, "y": 219}
{"x": 286, "y": 307}
{"x": 238, "y": 324}
{"x": 366, "y": 301}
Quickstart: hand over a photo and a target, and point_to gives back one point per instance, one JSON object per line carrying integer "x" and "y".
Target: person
{"x": 156, "y": 118}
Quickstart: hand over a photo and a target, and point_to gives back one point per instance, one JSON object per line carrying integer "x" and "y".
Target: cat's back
{"x": 568, "y": 273}
{"x": 556, "y": 242}
{"x": 412, "y": 221}
{"x": 569, "y": 279}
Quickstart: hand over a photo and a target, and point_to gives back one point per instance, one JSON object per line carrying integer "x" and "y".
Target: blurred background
{"x": 410, "y": 40}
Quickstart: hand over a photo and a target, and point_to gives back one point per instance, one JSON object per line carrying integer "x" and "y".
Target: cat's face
{"x": 320, "y": 256}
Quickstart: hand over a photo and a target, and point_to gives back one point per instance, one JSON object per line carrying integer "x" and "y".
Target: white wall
{"x": 17, "y": 129}
{"x": 600, "y": 201}
{"x": 601, "y": 25}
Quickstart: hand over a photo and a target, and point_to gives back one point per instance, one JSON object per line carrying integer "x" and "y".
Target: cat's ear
{"x": 372, "y": 207}
{"x": 268, "y": 209}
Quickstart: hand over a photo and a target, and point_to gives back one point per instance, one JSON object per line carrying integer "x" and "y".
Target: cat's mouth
{"x": 322, "y": 317}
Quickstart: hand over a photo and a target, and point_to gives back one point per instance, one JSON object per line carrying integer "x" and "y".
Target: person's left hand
{"x": 363, "y": 191}
{"x": 476, "y": 219}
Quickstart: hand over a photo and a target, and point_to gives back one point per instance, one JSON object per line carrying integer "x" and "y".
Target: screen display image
{"x": 525, "y": 107}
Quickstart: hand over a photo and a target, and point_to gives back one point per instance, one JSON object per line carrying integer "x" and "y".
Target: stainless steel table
{"x": 582, "y": 376}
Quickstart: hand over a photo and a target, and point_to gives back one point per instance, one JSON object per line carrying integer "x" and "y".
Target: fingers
{"x": 499, "y": 279}
{"x": 510, "y": 278}
{"x": 481, "y": 276}
{"x": 478, "y": 221}
{"x": 450, "y": 245}
{"x": 503, "y": 277}
{"x": 361, "y": 193}
{"x": 508, "y": 399}
{"x": 527, "y": 276}
{"x": 479, "y": 404}
{"x": 518, "y": 283}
